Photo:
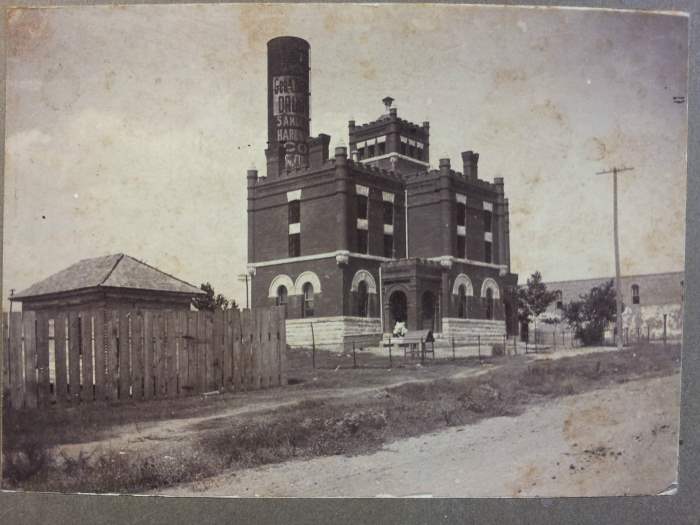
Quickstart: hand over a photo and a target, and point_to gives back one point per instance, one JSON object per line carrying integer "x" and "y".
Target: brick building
{"x": 372, "y": 235}
{"x": 652, "y": 305}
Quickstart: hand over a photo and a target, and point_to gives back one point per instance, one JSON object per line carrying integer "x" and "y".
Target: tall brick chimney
{"x": 470, "y": 161}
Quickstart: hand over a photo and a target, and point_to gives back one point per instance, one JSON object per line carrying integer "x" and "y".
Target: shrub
{"x": 498, "y": 350}
{"x": 24, "y": 460}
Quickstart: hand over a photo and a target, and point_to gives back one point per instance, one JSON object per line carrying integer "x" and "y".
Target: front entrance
{"x": 397, "y": 309}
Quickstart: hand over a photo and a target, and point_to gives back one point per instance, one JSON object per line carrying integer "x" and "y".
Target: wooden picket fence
{"x": 121, "y": 355}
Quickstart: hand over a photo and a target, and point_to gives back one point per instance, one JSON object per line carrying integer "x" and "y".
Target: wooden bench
{"x": 360, "y": 342}
{"x": 414, "y": 342}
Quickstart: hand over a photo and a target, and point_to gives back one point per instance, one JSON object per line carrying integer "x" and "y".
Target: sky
{"x": 130, "y": 129}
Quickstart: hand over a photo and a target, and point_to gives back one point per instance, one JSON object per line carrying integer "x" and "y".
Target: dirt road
{"x": 615, "y": 441}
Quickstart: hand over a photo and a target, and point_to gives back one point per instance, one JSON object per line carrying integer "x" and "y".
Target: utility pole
{"x": 618, "y": 285}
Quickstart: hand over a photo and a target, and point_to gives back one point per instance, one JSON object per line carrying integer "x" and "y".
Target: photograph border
{"x": 684, "y": 507}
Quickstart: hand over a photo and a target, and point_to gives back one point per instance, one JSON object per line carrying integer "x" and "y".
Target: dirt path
{"x": 161, "y": 435}
{"x": 615, "y": 441}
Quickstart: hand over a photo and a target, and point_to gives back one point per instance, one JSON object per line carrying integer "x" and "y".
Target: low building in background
{"x": 652, "y": 306}
{"x": 113, "y": 281}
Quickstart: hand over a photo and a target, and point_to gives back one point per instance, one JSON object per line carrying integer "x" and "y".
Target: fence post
{"x": 390, "y": 345}
{"x": 515, "y": 345}
{"x": 648, "y": 334}
{"x": 313, "y": 347}
{"x": 554, "y": 338}
{"x": 665, "y": 317}
{"x": 478, "y": 342}
{"x": 354, "y": 360}
{"x": 453, "y": 348}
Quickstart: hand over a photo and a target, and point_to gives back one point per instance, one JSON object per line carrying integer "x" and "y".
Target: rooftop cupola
{"x": 390, "y": 142}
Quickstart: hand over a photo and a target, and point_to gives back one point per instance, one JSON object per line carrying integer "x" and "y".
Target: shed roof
{"x": 111, "y": 271}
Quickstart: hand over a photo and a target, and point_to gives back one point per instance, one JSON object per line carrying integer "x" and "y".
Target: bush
{"x": 24, "y": 460}
{"x": 590, "y": 334}
{"x": 498, "y": 350}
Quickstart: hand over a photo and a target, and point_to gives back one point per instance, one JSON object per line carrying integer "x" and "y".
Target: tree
{"x": 590, "y": 315}
{"x": 212, "y": 301}
{"x": 533, "y": 299}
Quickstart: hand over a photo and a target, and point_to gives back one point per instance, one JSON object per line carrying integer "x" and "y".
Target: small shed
{"x": 113, "y": 281}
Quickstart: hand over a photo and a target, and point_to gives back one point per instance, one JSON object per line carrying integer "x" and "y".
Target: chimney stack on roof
{"x": 470, "y": 161}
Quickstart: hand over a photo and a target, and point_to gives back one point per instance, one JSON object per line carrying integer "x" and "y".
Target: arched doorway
{"x": 397, "y": 309}
{"x": 428, "y": 311}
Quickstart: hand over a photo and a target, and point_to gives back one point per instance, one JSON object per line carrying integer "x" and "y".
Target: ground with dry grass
{"x": 335, "y": 410}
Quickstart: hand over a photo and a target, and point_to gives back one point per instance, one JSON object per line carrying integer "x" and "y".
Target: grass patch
{"x": 315, "y": 428}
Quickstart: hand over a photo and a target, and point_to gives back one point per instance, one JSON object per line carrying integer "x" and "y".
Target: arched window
{"x": 362, "y": 300}
{"x": 307, "y": 309}
{"x": 489, "y": 303}
{"x": 462, "y": 298}
{"x": 635, "y": 294}
{"x": 281, "y": 299}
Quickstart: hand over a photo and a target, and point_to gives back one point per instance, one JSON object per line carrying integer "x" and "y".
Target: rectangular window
{"x": 362, "y": 244}
{"x": 403, "y": 148}
{"x": 487, "y": 221}
{"x": 461, "y": 247}
{"x": 388, "y": 212}
{"x": 294, "y": 209}
{"x": 487, "y": 252}
{"x": 295, "y": 245}
{"x": 362, "y": 204}
{"x": 461, "y": 214}
{"x": 411, "y": 150}
{"x": 381, "y": 147}
{"x": 389, "y": 246}
{"x": 370, "y": 150}
{"x": 360, "y": 153}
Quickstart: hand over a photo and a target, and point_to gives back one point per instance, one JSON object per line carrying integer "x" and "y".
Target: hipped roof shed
{"x": 110, "y": 278}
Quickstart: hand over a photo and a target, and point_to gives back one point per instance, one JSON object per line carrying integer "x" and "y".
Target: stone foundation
{"x": 466, "y": 330}
{"x": 328, "y": 332}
